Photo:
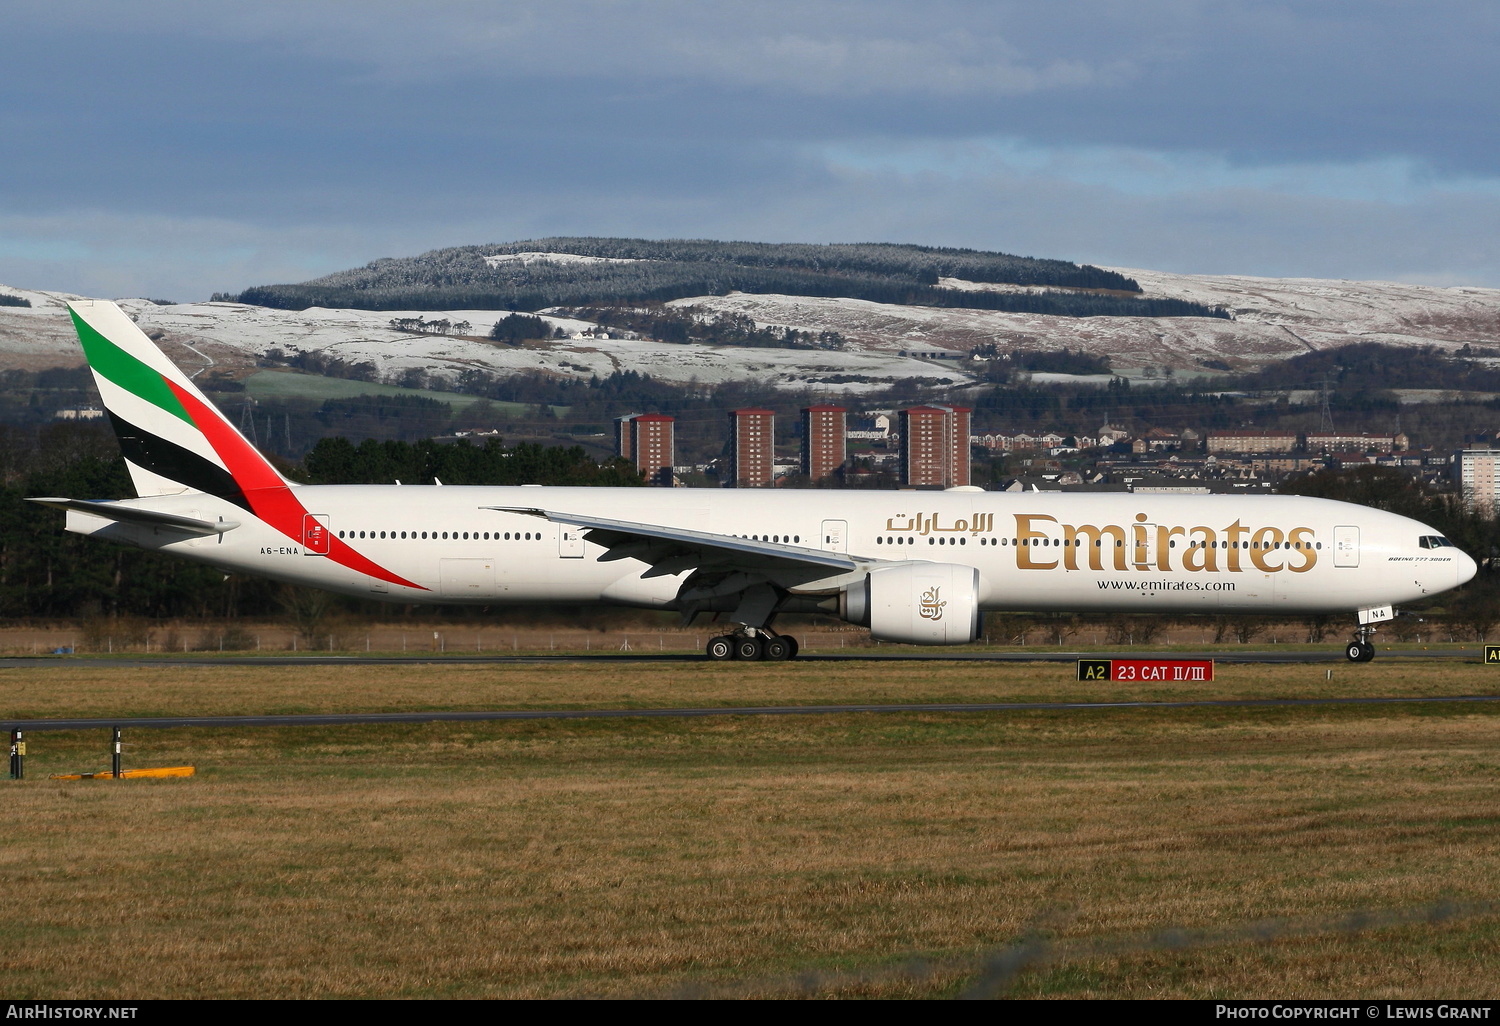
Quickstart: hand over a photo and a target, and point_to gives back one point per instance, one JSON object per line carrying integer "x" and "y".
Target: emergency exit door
{"x": 835, "y": 535}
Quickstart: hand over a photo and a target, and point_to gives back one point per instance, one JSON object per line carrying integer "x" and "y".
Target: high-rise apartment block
{"x": 935, "y": 446}
{"x": 1478, "y": 472}
{"x": 622, "y": 436}
{"x": 825, "y": 444}
{"x": 646, "y": 439}
{"x": 752, "y": 448}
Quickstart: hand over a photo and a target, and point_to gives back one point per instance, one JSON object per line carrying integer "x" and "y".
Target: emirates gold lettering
{"x": 1155, "y": 547}
{"x": 1029, "y": 538}
{"x": 1097, "y": 540}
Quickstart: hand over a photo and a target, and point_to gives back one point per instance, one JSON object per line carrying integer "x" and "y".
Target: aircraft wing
{"x": 671, "y": 550}
{"x": 139, "y": 517}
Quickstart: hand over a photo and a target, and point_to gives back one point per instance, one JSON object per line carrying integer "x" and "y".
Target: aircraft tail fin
{"x": 172, "y": 437}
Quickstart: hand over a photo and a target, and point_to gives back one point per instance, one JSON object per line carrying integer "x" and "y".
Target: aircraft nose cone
{"x": 1465, "y": 568}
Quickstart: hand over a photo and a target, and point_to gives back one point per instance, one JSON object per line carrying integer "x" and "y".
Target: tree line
{"x": 438, "y": 326}
{"x": 684, "y": 324}
{"x": 1376, "y": 367}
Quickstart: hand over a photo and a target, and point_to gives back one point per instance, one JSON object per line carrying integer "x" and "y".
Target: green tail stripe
{"x": 125, "y": 370}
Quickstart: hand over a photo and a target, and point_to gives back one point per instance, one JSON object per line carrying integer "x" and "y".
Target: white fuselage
{"x": 1033, "y": 551}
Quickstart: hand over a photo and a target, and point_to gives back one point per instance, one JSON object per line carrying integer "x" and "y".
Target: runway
{"x": 484, "y": 716}
{"x": 1332, "y": 655}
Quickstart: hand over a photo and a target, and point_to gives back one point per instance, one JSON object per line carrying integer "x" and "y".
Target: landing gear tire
{"x": 1359, "y": 652}
{"x": 749, "y": 649}
{"x": 779, "y": 648}
{"x": 793, "y": 642}
{"x": 720, "y": 649}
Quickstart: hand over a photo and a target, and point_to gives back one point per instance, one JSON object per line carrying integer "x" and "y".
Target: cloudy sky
{"x": 174, "y": 149}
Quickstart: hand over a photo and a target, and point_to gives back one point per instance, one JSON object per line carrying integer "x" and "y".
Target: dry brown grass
{"x": 106, "y": 688}
{"x": 731, "y": 855}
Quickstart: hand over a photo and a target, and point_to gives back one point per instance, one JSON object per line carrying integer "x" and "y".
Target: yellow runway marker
{"x": 159, "y": 771}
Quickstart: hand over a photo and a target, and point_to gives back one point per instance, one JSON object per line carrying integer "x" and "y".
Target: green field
{"x": 281, "y": 384}
{"x": 1206, "y": 852}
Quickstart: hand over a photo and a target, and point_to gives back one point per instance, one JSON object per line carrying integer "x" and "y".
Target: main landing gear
{"x": 751, "y": 644}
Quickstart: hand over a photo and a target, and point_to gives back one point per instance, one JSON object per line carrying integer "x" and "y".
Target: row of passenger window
{"x": 906, "y": 539}
{"x": 447, "y": 535}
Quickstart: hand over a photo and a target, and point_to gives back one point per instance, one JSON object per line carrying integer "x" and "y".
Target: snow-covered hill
{"x": 1273, "y": 319}
{"x": 230, "y": 336}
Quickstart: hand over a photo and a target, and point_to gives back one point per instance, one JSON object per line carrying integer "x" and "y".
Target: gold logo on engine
{"x": 930, "y": 607}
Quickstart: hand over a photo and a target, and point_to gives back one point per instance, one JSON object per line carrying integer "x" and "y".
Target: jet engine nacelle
{"x": 916, "y": 603}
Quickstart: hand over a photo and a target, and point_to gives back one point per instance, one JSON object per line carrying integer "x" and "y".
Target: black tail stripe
{"x": 173, "y": 462}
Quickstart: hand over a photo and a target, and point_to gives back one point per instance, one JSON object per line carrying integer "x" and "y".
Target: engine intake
{"x": 916, "y": 603}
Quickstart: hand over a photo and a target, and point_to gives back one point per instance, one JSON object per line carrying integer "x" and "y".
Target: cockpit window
{"x": 1434, "y": 541}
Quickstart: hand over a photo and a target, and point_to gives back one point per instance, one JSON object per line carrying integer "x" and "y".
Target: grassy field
{"x": 1209, "y": 852}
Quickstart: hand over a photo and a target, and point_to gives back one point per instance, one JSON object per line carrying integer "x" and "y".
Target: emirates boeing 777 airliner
{"x": 916, "y": 567}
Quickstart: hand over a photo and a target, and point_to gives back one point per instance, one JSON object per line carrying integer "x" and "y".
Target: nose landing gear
{"x": 1360, "y": 650}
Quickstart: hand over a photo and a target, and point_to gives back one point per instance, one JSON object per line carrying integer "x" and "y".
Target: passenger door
{"x": 1144, "y": 547}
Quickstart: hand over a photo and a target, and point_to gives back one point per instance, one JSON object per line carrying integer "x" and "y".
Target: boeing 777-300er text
{"x": 914, "y": 566}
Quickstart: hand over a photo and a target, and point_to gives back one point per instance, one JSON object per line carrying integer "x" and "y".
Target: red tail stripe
{"x": 269, "y": 497}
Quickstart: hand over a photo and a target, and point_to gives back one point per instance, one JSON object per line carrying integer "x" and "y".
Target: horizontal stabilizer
{"x": 139, "y": 517}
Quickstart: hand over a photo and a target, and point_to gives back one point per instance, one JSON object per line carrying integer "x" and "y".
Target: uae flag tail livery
{"x": 172, "y": 437}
